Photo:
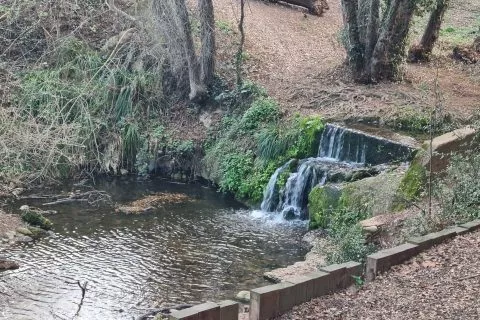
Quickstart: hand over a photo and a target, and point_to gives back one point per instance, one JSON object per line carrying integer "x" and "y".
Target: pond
{"x": 208, "y": 247}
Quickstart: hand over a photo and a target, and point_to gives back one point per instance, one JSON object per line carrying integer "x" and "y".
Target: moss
{"x": 36, "y": 219}
{"x": 413, "y": 183}
{"x": 357, "y": 199}
{"x": 37, "y": 232}
{"x": 322, "y": 201}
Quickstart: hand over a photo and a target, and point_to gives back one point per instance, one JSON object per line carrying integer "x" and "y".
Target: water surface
{"x": 207, "y": 248}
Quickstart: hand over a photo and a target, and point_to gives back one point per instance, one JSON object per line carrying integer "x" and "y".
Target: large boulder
{"x": 368, "y": 197}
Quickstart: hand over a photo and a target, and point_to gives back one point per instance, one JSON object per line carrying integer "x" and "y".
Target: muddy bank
{"x": 9, "y": 223}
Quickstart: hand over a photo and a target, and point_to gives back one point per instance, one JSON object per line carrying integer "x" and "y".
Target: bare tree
{"x": 376, "y": 37}
{"x": 423, "y": 50}
{"x": 174, "y": 23}
{"x": 207, "y": 34}
{"x": 239, "y": 55}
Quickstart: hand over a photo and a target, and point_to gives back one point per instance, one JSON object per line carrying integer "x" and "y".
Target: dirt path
{"x": 299, "y": 59}
{"x": 441, "y": 283}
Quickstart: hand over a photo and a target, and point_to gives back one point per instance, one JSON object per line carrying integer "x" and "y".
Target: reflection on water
{"x": 205, "y": 249}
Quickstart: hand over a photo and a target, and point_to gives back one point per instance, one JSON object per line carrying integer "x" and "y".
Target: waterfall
{"x": 298, "y": 186}
{"x": 342, "y": 144}
{"x": 339, "y": 147}
{"x": 270, "y": 195}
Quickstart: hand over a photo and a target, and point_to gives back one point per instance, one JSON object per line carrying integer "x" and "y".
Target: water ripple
{"x": 188, "y": 253}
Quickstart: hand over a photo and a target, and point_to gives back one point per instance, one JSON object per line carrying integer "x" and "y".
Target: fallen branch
{"x": 93, "y": 197}
{"x": 84, "y": 290}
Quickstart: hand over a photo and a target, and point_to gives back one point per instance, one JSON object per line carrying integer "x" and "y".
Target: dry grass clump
{"x": 151, "y": 202}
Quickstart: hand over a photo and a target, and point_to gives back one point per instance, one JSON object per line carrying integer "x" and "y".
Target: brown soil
{"x": 441, "y": 283}
{"x": 299, "y": 59}
{"x": 9, "y": 222}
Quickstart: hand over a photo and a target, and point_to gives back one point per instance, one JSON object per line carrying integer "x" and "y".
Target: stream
{"x": 207, "y": 248}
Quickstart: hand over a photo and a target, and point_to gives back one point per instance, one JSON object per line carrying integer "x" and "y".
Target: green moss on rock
{"x": 363, "y": 198}
{"x": 413, "y": 183}
{"x": 36, "y": 219}
{"x": 322, "y": 201}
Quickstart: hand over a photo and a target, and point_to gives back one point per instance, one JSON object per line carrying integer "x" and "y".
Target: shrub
{"x": 247, "y": 149}
{"x": 459, "y": 190}
{"x": 349, "y": 245}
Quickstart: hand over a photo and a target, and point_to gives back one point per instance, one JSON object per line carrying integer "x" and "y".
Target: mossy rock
{"x": 322, "y": 200}
{"x": 35, "y": 218}
{"x": 367, "y": 197}
{"x": 37, "y": 233}
{"x": 413, "y": 183}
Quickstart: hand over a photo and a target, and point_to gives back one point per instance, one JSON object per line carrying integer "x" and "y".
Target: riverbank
{"x": 9, "y": 223}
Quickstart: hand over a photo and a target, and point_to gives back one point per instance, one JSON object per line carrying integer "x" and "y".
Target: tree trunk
{"x": 423, "y": 50}
{"x": 198, "y": 90}
{"x": 239, "y": 55}
{"x": 390, "y": 48}
{"x": 354, "y": 47}
{"x": 207, "y": 34}
{"x": 376, "y": 38}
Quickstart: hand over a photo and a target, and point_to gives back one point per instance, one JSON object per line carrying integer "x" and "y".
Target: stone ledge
{"x": 204, "y": 311}
{"x": 341, "y": 275}
{"x": 472, "y": 225}
{"x": 382, "y": 260}
{"x": 429, "y": 240}
{"x": 270, "y": 301}
{"x": 229, "y": 310}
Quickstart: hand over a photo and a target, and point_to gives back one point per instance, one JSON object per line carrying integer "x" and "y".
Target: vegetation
{"x": 413, "y": 183}
{"x": 349, "y": 244}
{"x": 81, "y": 112}
{"x": 249, "y": 147}
{"x": 332, "y": 209}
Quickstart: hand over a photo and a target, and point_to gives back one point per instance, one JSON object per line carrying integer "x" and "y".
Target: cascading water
{"x": 295, "y": 195}
{"x": 342, "y": 144}
{"x": 338, "y": 147}
{"x": 270, "y": 195}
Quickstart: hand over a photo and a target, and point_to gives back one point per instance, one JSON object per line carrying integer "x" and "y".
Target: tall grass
{"x": 70, "y": 115}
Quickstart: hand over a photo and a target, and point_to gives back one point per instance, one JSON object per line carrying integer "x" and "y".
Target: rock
{"x": 10, "y": 235}
{"x": 24, "y": 239}
{"x": 289, "y": 213}
{"x": 36, "y": 218}
{"x": 24, "y": 231}
{"x": 37, "y": 232}
{"x": 133, "y": 209}
{"x": 272, "y": 277}
{"x": 243, "y": 296}
{"x": 370, "y": 229}
{"x": 18, "y": 191}
{"x": 123, "y": 172}
{"x": 370, "y": 196}
{"x": 24, "y": 208}
{"x": 8, "y": 265}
